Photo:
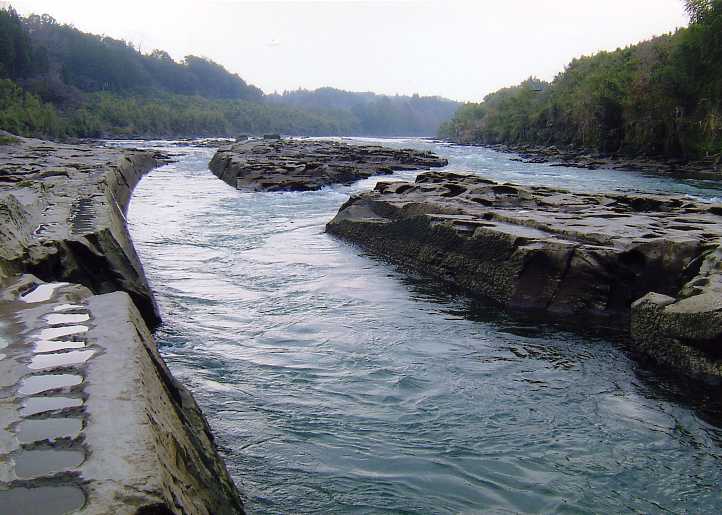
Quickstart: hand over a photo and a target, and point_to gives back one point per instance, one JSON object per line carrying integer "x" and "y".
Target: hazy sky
{"x": 456, "y": 48}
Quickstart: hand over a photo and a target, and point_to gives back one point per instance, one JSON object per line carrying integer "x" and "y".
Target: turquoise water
{"x": 336, "y": 384}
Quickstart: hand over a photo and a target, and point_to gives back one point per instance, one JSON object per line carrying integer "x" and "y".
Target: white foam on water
{"x": 57, "y": 332}
{"x": 41, "y": 293}
{"x": 66, "y": 319}
{"x": 43, "y": 361}
{"x": 57, "y": 345}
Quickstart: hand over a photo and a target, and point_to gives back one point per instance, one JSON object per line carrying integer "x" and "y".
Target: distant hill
{"x": 57, "y": 81}
{"x": 374, "y": 114}
{"x": 93, "y": 63}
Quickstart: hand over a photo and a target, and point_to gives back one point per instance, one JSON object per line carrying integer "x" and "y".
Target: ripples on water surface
{"x": 336, "y": 384}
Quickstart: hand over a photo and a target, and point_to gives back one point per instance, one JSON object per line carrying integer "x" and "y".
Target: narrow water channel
{"x": 336, "y": 384}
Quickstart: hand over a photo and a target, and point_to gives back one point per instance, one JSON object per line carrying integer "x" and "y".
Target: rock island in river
{"x": 304, "y": 165}
{"x": 653, "y": 259}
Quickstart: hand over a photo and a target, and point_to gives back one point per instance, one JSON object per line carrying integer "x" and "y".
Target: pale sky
{"x": 461, "y": 49}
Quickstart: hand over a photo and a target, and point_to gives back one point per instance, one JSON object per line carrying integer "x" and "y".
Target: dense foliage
{"x": 16, "y": 59}
{"x": 93, "y": 63}
{"x": 25, "y": 114}
{"x": 372, "y": 114}
{"x": 660, "y": 97}
{"x": 56, "y": 81}
{"x": 106, "y": 114}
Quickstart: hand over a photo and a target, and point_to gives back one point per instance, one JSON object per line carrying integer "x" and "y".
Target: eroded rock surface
{"x": 566, "y": 254}
{"x": 92, "y": 420}
{"x": 303, "y": 165}
{"x": 62, "y": 216}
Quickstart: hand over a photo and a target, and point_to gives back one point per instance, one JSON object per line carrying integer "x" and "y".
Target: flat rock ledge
{"x": 651, "y": 263}
{"x": 305, "y": 165}
{"x": 91, "y": 419}
{"x": 62, "y": 216}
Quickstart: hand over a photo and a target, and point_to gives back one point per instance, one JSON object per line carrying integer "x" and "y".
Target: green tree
{"x": 15, "y": 47}
{"x": 698, "y": 10}
{"x": 660, "y": 97}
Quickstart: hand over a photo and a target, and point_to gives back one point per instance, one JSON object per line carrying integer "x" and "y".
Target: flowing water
{"x": 335, "y": 383}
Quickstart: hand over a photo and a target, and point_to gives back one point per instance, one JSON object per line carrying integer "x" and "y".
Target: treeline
{"x": 109, "y": 115}
{"x": 662, "y": 97}
{"x": 56, "y": 82}
{"x": 93, "y": 63}
{"x": 372, "y": 114}
{"x": 59, "y": 60}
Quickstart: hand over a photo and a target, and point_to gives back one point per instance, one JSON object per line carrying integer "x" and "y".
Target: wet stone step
{"x": 45, "y": 462}
{"x": 36, "y": 405}
{"x": 41, "y": 293}
{"x": 66, "y": 319}
{"x": 68, "y": 307}
{"x": 66, "y": 359}
{"x": 44, "y": 500}
{"x": 57, "y": 345}
{"x": 51, "y": 429}
{"x": 32, "y": 385}
{"x": 59, "y": 332}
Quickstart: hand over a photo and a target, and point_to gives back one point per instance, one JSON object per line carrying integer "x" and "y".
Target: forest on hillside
{"x": 56, "y": 82}
{"x": 661, "y": 97}
{"x": 372, "y": 114}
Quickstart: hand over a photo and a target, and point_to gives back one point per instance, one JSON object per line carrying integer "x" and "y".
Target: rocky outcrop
{"x": 303, "y": 165}
{"x": 612, "y": 258}
{"x": 590, "y": 160}
{"x": 94, "y": 420}
{"x": 686, "y": 328}
{"x": 62, "y": 216}
{"x": 91, "y": 419}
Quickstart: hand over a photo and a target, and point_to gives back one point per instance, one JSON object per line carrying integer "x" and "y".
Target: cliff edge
{"x": 91, "y": 419}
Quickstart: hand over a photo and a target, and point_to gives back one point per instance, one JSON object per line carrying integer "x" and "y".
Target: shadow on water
{"x": 658, "y": 381}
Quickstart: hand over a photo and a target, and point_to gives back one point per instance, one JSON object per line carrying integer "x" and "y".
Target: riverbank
{"x": 91, "y": 414}
{"x": 710, "y": 168}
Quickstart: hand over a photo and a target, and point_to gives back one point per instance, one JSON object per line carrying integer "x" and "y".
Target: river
{"x": 335, "y": 383}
